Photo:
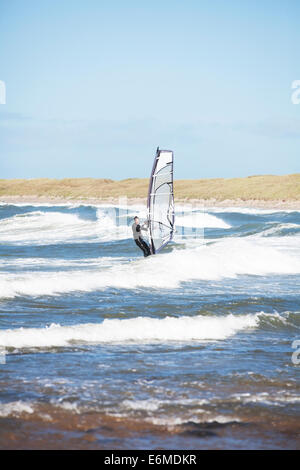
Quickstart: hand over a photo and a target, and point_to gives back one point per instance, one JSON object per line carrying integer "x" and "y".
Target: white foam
{"x": 154, "y": 404}
{"x": 200, "y": 219}
{"x": 249, "y": 210}
{"x": 140, "y": 329}
{"x": 15, "y": 408}
{"x": 144, "y": 405}
{"x": 66, "y": 405}
{"x": 277, "y": 229}
{"x": 273, "y": 399}
{"x": 172, "y": 422}
{"x": 56, "y": 227}
{"x": 225, "y": 259}
{"x": 32, "y": 263}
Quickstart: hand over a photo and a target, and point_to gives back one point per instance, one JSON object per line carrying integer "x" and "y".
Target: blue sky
{"x": 93, "y": 87}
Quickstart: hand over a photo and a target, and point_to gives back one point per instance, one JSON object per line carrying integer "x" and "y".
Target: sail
{"x": 161, "y": 201}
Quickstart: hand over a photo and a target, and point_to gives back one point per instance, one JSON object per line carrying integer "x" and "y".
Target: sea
{"x": 196, "y": 347}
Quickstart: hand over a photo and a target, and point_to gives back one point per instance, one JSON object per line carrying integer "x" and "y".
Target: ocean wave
{"x": 38, "y": 227}
{"x": 250, "y": 210}
{"x": 279, "y": 398}
{"x": 15, "y": 408}
{"x": 151, "y": 408}
{"x": 229, "y": 258}
{"x": 146, "y": 330}
{"x": 42, "y": 227}
{"x": 32, "y": 263}
{"x": 200, "y": 219}
{"x": 139, "y": 329}
{"x": 284, "y": 229}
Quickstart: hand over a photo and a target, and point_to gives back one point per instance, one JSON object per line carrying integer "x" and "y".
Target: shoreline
{"x": 211, "y": 202}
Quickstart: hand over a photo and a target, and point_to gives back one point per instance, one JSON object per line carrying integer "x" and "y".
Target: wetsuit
{"x": 138, "y": 238}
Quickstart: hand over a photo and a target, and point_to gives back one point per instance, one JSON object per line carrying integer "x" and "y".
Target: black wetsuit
{"x": 138, "y": 238}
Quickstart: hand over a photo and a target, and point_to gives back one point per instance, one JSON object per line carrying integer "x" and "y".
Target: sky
{"x": 93, "y": 87}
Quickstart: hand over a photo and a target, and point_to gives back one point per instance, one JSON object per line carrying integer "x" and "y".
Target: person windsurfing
{"x": 138, "y": 237}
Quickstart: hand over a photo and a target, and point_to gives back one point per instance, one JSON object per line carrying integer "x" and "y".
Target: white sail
{"x": 161, "y": 201}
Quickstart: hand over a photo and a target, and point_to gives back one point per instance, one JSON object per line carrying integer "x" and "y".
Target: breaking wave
{"x": 200, "y": 219}
{"x": 39, "y": 227}
{"x": 228, "y": 258}
{"x": 42, "y": 227}
{"x": 140, "y": 329}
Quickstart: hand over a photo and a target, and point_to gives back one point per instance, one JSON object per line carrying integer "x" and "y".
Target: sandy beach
{"x": 212, "y": 202}
{"x": 261, "y": 191}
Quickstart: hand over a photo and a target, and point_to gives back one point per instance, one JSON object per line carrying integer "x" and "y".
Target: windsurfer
{"x": 138, "y": 237}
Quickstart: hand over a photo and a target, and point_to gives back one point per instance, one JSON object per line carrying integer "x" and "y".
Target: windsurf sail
{"x": 160, "y": 204}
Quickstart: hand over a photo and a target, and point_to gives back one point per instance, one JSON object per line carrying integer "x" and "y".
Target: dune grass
{"x": 261, "y": 187}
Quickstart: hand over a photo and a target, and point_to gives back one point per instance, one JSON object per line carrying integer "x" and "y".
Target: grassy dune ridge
{"x": 261, "y": 187}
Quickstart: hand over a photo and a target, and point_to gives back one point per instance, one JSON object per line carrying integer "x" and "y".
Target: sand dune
{"x": 260, "y": 191}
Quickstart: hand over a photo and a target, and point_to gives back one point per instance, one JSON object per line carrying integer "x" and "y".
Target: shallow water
{"x": 191, "y": 348}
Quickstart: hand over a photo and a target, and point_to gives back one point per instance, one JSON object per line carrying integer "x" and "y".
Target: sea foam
{"x": 139, "y": 329}
{"x": 228, "y": 258}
